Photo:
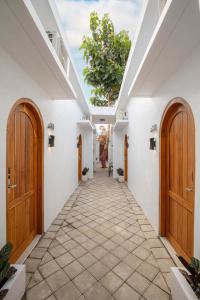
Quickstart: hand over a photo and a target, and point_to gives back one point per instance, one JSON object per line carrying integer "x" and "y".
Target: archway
{"x": 126, "y": 157}
{"x": 24, "y": 173}
{"x": 79, "y": 157}
{"x": 177, "y": 176}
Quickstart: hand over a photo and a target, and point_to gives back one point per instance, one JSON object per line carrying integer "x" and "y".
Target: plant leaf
{"x": 195, "y": 264}
{"x": 3, "y": 293}
{"x": 106, "y": 54}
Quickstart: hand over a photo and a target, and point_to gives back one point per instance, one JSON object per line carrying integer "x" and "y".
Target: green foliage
{"x": 5, "y": 254}
{"x": 193, "y": 277}
{"x": 195, "y": 264}
{"x": 106, "y": 54}
{"x": 6, "y": 271}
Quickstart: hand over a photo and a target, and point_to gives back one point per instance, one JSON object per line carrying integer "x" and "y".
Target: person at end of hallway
{"x": 104, "y": 156}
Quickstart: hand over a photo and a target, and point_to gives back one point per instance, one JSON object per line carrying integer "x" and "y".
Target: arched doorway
{"x": 177, "y": 177}
{"x": 24, "y": 186}
{"x": 79, "y": 157}
{"x": 126, "y": 157}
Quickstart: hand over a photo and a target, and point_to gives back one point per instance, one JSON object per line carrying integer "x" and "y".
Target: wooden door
{"x": 126, "y": 158}
{"x": 180, "y": 162}
{"x": 22, "y": 175}
{"x": 80, "y": 158}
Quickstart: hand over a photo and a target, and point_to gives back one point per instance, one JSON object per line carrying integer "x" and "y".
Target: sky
{"x": 75, "y": 17}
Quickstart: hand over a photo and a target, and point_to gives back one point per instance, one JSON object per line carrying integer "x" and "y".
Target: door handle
{"x": 12, "y": 186}
{"x": 188, "y": 189}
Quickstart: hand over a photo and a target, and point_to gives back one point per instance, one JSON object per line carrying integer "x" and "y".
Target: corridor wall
{"x": 87, "y": 148}
{"x": 60, "y": 162}
{"x": 143, "y": 170}
{"x": 118, "y": 154}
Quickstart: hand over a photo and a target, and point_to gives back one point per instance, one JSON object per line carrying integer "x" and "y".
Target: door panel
{"x": 22, "y": 172}
{"x": 180, "y": 182}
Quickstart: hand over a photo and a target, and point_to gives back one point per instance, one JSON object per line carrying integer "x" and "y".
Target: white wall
{"x": 97, "y": 148}
{"x": 87, "y": 150}
{"x": 144, "y": 163}
{"x": 118, "y": 151}
{"x": 110, "y": 149}
{"x": 45, "y": 14}
{"x": 60, "y": 163}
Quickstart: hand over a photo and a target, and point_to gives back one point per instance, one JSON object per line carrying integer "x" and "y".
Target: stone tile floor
{"x": 100, "y": 247}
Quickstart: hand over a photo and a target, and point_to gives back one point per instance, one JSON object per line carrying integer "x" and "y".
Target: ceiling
{"x": 25, "y": 40}
{"x": 103, "y": 115}
{"x": 175, "y": 38}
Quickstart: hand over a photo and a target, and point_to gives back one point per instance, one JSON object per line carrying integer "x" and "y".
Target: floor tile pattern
{"x": 99, "y": 247}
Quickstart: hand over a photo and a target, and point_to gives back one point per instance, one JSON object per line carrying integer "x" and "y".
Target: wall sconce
{"x": 154, "y": 128}
{"x": 51, "y": 126}
{"x": 51, "y": 138}
{"x": 152, "y": 143}
{"x": 51, "y": 141}
{"x": 125, "y": 116}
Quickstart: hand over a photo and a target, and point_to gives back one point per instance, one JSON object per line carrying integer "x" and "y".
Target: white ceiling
{"x": 103, "y": 119}
{"x": 24, "y": 38}
{"x": 103, "y": 115}
{"x": 173, "y": 42}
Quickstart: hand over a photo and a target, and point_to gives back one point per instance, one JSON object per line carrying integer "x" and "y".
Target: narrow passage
{"x": 100, "y": 247}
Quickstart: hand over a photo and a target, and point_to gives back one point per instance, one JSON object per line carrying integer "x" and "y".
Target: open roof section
{"x": 146, "y": 24}
{"x": 176, "y": 35}
{"x": 162, "y": 43}
{"x": 33, "y": 50}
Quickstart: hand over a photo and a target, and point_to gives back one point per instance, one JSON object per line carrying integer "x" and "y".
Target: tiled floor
{"x": 99, "y": 247}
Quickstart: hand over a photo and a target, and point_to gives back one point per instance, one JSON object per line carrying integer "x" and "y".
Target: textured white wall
{"x": 144, "y": 163}
{"x": 97, "y": 147}
{"x": 118, "y": 151}
{"x": 110, "y": 149}
{"x": 87, "y": 139}
{"x": 60, "y": 162}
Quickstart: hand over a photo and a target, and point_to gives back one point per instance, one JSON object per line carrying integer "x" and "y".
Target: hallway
{"x": 99, "y": 247}
{"x": 73, "y": 232}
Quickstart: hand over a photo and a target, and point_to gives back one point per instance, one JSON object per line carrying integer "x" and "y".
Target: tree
{"x": 106, "y": 54}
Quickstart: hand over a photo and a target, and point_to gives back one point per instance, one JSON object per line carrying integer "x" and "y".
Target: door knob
{"x": 188, "y": 189}
{"x": 12, "y": 186}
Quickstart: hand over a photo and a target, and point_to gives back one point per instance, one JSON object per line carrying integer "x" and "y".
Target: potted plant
{"x": 84, "y": 174}
{"x": 12, "y": 278}
{"x": 185, "y": 283}
{"x": 120, "y": 172}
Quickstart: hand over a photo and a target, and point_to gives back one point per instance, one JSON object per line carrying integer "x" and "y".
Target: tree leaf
{"x": 106, "y": 54}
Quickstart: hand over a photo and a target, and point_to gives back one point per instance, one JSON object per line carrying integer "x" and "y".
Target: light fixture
{"x": 154, "y": 128}
{"x": 152, "y": 143}
{"x": 51, "y": 137}
{"x": 51, "y": 140}
{"x": 51, "y": 126}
